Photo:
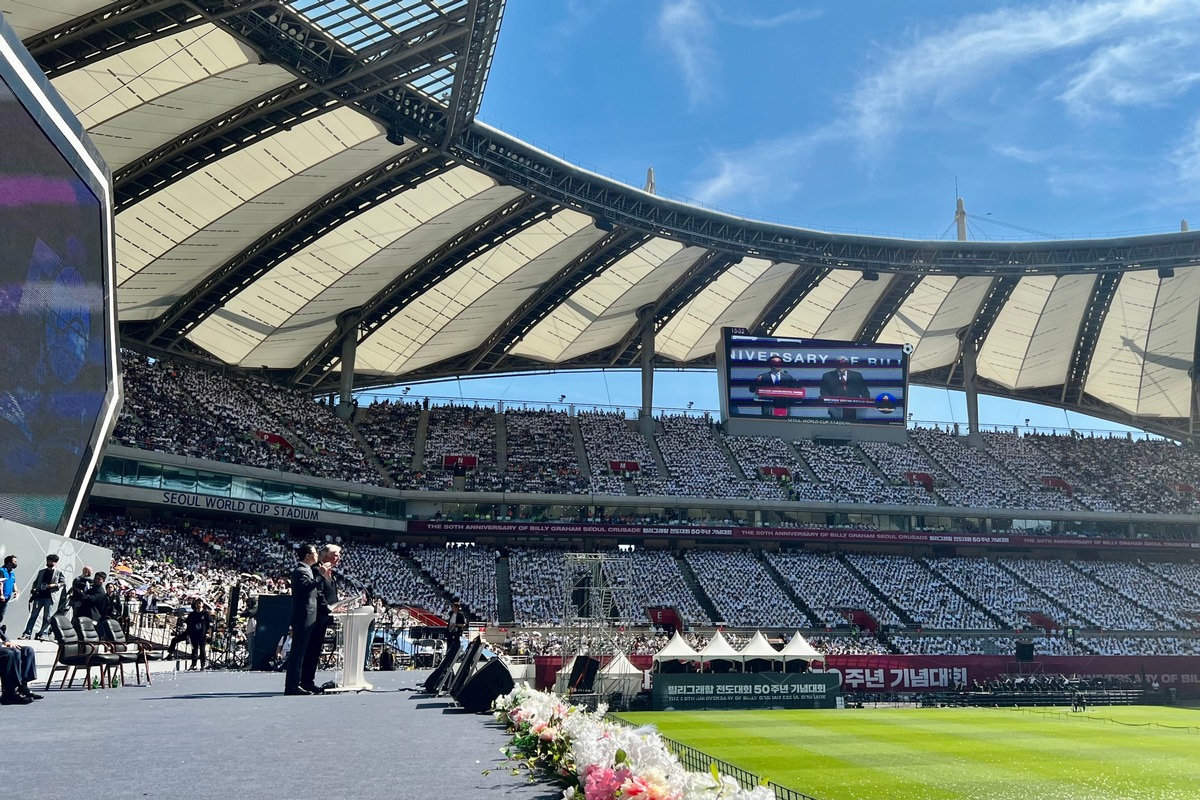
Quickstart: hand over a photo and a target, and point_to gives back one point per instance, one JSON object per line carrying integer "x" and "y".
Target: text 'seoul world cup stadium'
{"x": 233, "y": 229}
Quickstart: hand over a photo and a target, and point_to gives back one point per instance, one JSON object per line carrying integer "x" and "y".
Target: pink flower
{"x": 649, "y": 786}
{"x": 602, "y": 783}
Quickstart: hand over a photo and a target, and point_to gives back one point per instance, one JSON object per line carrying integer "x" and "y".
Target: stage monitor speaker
{"x": 1024, "y": 651}
{"x": 484, "y": 686}
{"x": 271, "y": 623}
{"x": 466, "y": 666}
{"x": 583, "y": 674}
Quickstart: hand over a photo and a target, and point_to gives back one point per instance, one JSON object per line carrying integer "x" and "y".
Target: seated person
{"x": 17, "y": 668}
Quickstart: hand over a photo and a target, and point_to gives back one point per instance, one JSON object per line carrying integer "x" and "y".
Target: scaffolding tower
{"x": 598, "y": 603}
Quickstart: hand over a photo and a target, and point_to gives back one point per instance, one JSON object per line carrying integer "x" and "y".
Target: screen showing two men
{"x": 815, "y": 380}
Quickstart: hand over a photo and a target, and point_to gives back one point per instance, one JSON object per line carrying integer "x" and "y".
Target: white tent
{"x": 677, "y": 649}
{"x": 799, "y": 647}
{"x": 759, "y": 648}
{"x": 719, "y": 649}
{"x": 619, "y": 676}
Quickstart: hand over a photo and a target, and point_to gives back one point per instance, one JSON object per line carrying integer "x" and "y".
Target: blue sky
{"x": 1061, "y": 118}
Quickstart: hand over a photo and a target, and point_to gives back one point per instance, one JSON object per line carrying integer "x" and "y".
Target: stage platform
{"x": 216, "y": 735}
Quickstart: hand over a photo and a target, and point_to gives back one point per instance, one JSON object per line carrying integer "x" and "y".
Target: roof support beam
{"x": 887, "y": 306}
{"x": 467, "y": 245}
{"x": 803, "y": 281}
{"x": 272, "y": 111}
{"x": 985, "y": 317}
{"x": 605, "y": 252}
{"x": 1100, "y": 301}
{"x": 335, "y": 208}
{"x": 695, "y": 279}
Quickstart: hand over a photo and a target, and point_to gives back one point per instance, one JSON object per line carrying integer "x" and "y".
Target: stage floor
{"x": 223, "y": 735}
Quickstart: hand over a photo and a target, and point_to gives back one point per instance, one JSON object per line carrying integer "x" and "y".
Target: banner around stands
{"x": 894, "y": 673}
{"x": 255, "y": 507}
{"x": 753, "y": 690}
{"x": 908, "y": 674}
{"x": 789, "y": 534}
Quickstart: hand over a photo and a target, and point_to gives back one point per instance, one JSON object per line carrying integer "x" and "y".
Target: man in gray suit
{"x": 305, "y": 586}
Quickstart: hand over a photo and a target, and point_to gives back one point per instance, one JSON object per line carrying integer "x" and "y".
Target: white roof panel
{"x": 178, "y": 270}
{"x": 150, "y": 229}
{"x": 738, "y": 295}
{"x": 31, "y": 17}
{"x": 1115, "y": 374}
{"x": 109, "y": 87}
{"x": 1003, "y": 352}
{"x": 848, "y": 316}
{"x": 1170, "y": 348}
{"x": 458, "y": 313}
{"x": 550, "y": 338}
{"x": 1048, "y": 355}
{"x": 908, "y": 325}
{"x": 286, "y": 313}
{"x": 939, "y": 345}
{"x": 811, "y": 312}
{"x": 144, "y": 128}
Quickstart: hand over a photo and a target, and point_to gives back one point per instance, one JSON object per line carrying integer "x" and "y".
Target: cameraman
{"x": 41, "y": 597}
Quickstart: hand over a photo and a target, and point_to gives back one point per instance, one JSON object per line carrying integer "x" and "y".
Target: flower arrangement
{"x": 601, "y": 760}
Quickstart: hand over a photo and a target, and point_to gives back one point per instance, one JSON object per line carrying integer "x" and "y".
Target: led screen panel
{"x": 813, "y": 380}
{"x": 57, "y": 355}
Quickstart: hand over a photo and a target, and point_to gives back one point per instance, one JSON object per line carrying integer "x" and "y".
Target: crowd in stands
{"x": 997, "y": 591}
{"x": 465, "y": 572}
{"x": 1118, "y": 608}
{"x": 926, "y": 599}
{"x": 540, "y": 453}
{"x": 1087, "y": 602}
{"x": 981, "y": 482}
{"x": 181, "y": 408}
{"x": 742, "y": 590}
{"x": 967, "y": 645}
{"x": 389, "y": 428}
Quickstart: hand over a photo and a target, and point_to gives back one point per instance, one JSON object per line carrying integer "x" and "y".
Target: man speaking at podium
{"x": 844, "y": 382}
{"x": 328, "y": 556}
{"x": 772, "y": 378}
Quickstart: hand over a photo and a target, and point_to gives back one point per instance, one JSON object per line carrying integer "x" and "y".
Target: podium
{"x": 352, "y": 641}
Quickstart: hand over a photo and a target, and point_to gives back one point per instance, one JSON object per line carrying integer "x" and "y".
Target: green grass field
{"x": 1112, "y": 753}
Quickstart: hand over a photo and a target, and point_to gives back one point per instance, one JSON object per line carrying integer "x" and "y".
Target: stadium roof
{"x": 287, "y": 172}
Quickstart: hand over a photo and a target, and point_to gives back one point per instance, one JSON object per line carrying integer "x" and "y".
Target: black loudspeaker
{"x": 1024, "y": 651}
{"x": 271, "y": 622}
{"x": 466, "y": 667}
{"x": 583, "y": 674}
{"x": 489, "y": 682}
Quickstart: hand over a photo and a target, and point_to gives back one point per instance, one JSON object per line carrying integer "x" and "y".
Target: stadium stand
{"x": 541, "y": 453}
{"x": 742, "y": 590}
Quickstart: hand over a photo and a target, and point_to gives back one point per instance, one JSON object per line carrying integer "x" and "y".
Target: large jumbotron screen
{"x": 57, "y": 354}
{"x": 812, "y": 380}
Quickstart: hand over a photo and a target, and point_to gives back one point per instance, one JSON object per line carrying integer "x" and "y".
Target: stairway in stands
{"x": 504, "y": 606}
{"x": 585, "y": 468}
{"x": 788, "y": 590}
{"x": 372, "y": 459}
{"x": 419, "y": 442}
{"x": 689, "y": 579}
{"x": 873, "y": 589}
{"x": 501, "y": 442}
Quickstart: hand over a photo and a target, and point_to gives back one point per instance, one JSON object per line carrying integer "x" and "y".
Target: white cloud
{"x": 686, "y": 29}
{"x": 786, "y": 18}
{"x": 1134, "y": 72}
{"x": 940, "y": 67}
{"x": 1186, "y": 157}
{"x": 766, "y": 169}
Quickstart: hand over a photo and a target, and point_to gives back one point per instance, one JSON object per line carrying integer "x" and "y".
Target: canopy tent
{"x": 719, "y": 649}
{"x": 759, "y": 649}
{"x": 619, "y": 676}
{"x": 677, "y": 649}
{"x": 799, "y": 648}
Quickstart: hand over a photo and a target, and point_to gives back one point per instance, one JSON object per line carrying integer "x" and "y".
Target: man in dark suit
{"x": 844, "y": 382}
{"x": 775, "y": 376}
{"x": 304, "y": 613}
{"x": 329, "y": 555}
{"x": 18, "y": 669}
